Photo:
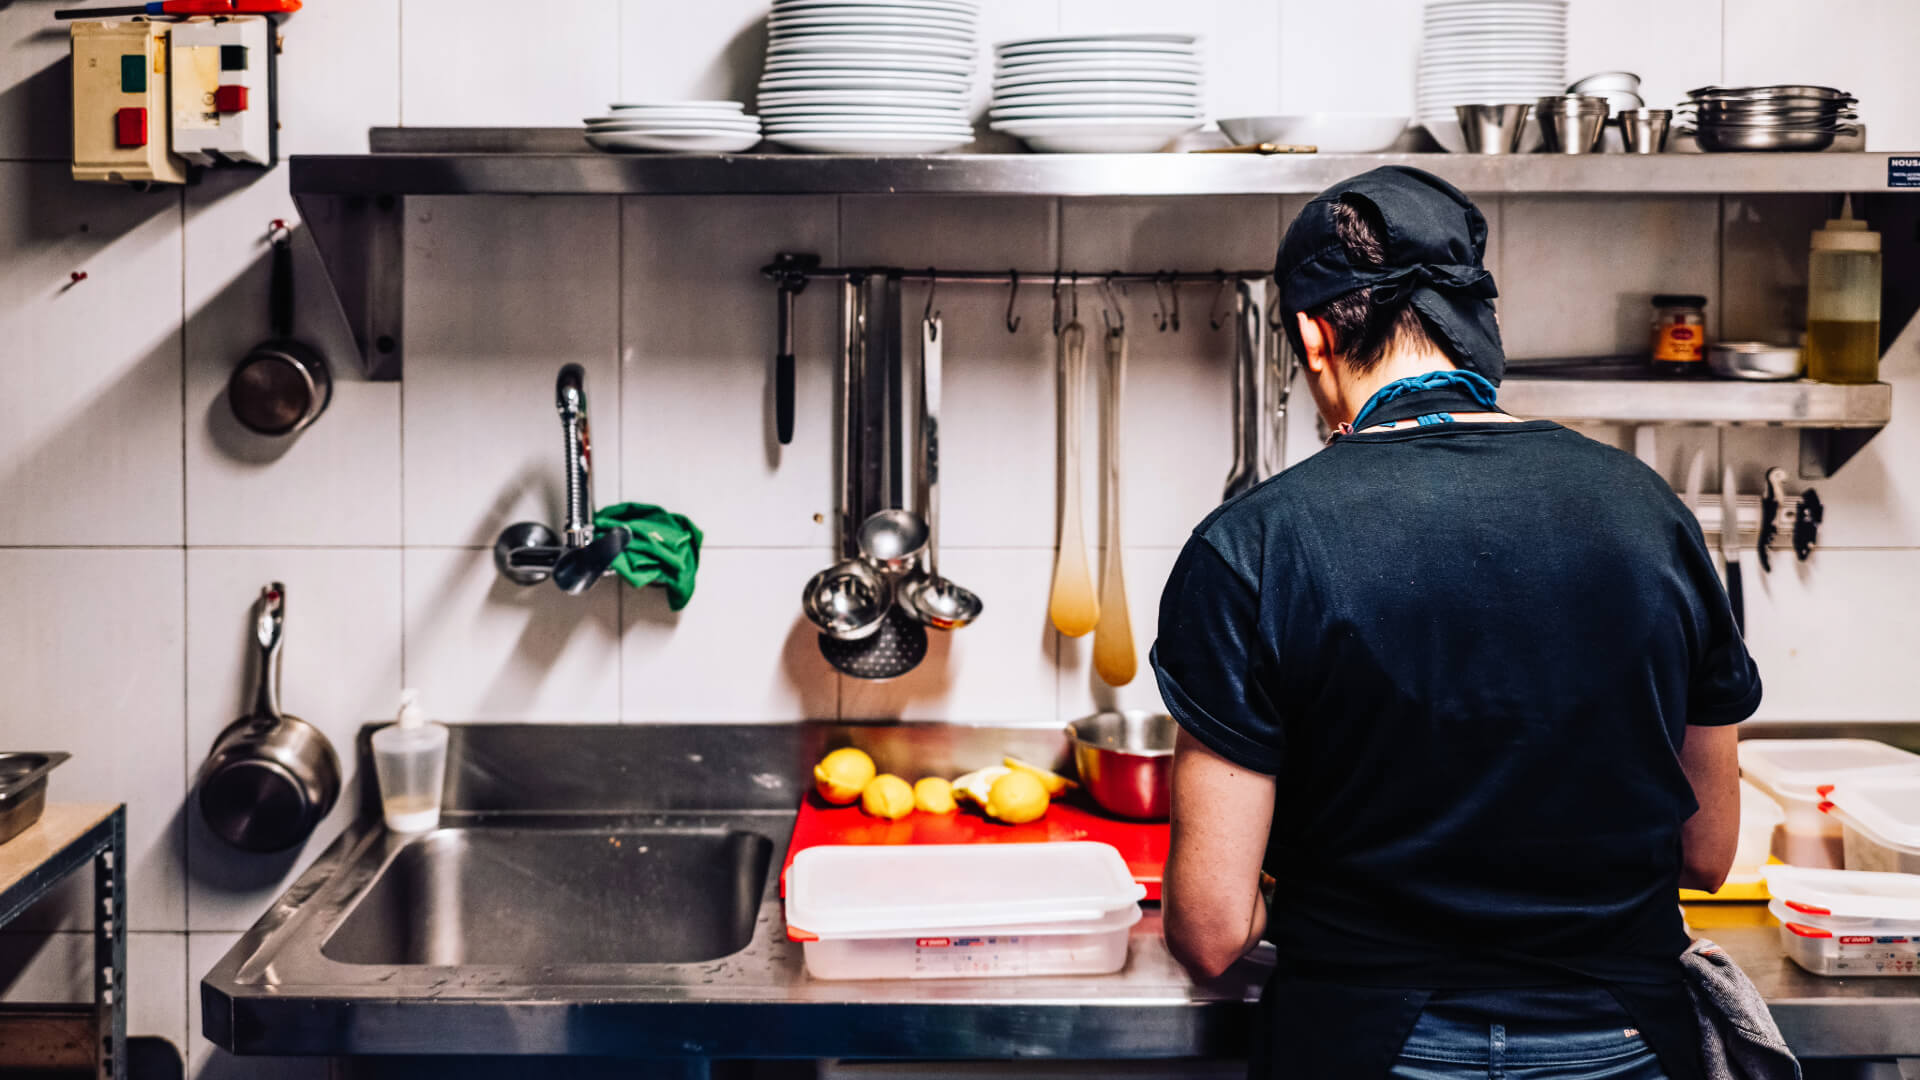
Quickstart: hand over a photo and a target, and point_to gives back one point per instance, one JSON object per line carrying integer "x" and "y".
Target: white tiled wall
{"x": 141, "y": 521}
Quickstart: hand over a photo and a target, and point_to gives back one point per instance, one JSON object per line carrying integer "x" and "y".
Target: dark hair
{"x": 1363, "y": 331}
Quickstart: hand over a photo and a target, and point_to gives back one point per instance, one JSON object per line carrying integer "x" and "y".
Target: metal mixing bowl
{"x": 1754, "y": 360}
{"x": 1125, "y": 761}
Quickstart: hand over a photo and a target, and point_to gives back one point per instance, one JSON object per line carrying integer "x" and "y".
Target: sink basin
{"x": 534, "y": 896}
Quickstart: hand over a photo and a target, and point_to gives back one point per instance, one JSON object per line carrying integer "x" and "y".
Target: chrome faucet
{"x": 529, "y": 552}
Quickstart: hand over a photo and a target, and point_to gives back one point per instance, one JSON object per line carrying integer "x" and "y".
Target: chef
{"x": 1462, "y": 684}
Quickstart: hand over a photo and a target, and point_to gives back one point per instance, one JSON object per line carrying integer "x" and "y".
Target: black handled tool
{"x": 791, "y": 272}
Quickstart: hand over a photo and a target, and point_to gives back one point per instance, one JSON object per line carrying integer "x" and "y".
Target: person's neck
{"x": 1357, "y": 391}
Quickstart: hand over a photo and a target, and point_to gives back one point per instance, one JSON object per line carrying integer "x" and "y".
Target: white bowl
{"x": 1332, "y": 132}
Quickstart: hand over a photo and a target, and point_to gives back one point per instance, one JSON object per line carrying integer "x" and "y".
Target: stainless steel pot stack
{"x": 1732, "y": 118}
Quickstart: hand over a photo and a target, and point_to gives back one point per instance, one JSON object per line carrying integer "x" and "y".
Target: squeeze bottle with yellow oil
{"x": 1843, "y": 301}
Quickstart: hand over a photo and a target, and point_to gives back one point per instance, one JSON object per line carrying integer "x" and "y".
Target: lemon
{"x": 1017, "y": 798}
{"x": 974, "y": 786}
{"x": 1052, "y": 781}
{"x": 842, "y": 775}
{"x": 887, "y": 796}
{"x": 934, "y": 795}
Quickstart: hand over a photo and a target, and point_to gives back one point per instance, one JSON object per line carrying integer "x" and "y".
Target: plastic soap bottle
{"x": 410, "y": 759}
{"x": 1843, "y": 301}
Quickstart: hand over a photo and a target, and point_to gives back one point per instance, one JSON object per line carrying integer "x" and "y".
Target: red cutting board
{"x": 1142, "y": 844}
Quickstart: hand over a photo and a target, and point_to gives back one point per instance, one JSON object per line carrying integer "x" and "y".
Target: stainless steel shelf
{"x": 542, "y": 161}
{"x": 1834, "y": 421}
{"x": 1715, "y": 402}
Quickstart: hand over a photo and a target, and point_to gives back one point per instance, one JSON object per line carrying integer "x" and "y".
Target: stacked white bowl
{"x": 869, "y": 76}
{"x": 1488, "y": 52}
{"x": 1098, "y": 93}
{"x": 687, "y": 126}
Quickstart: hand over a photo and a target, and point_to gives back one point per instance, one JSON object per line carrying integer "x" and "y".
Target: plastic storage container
{"x": 1845, "y": 922}
{"x": 1879, "y": 819}
{"x": 955, "y": 910}
{"x": 410, "y": 760}
{"x": 1760, "y": 815}
{"x": 1794, "y": 772}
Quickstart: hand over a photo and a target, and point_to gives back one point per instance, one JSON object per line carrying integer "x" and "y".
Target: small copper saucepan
{"x": 1125, "y": 760}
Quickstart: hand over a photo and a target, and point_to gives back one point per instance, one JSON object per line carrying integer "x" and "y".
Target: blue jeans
{"x": 1442, "y": 1048}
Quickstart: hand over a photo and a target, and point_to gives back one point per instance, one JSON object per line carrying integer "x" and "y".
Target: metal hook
{"x": 1111, "y": 313}
{"x": 1216, "y": 314}
{"x": 1160, "y": 320}
{"x": 1073, "y": 297}
{"x": 1013, "y": 290}
{"x": 1173, "y": 294}
{"x": 1056, "y": 303}
{"x": 933, "y": 282}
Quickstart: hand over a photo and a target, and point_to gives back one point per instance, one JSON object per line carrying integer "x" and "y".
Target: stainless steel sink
{"x": 533, "y": 896}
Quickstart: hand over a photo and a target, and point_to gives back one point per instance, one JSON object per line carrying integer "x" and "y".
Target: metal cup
{"x": 1492, "y": 129}
{"x": 1572, "y": 124}
{"x": 1644, "y": 131}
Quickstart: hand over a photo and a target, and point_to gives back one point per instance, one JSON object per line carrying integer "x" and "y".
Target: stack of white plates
{"x": 693, "y": 126}
{"x": 869, "y": 76}
{"x": 1097, "y": 93}
{"x": 1488, "y": 52}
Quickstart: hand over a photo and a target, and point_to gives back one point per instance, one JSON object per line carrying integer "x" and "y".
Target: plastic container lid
{"x": 1846, "y": 894}
{"x": 1885, "y": 805}
{"x": 849, "y": 891}
{"x": 1799, "y": 768}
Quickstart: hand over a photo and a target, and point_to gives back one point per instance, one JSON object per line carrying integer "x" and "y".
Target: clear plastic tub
{"x": 1760, "y": 815}
{"x": 1065, "y": 949}
{"x": 958, "y": 910}
{"x": 1846, "y": 922}
{"x": 1796, "y": 773}
{"x": 1879, "y": 818}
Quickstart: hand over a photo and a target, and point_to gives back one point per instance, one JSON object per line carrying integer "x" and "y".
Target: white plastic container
{"x": 1847, "y": 922}
{"x": 1798, "y": 773}
{"x": 1879, "y": 818}
{"x": 956, "y": 910}
{"x": 410, "y": 760}
{"x": 1760, "y": 815}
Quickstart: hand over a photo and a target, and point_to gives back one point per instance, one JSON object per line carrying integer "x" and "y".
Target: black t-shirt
{"x": 1469, "y": 654}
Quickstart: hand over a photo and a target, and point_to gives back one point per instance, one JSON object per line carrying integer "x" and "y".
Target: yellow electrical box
{"x": 121, "y": 103}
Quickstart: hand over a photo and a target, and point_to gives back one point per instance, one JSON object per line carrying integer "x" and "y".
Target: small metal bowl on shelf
{"x": 1755, "y": 361}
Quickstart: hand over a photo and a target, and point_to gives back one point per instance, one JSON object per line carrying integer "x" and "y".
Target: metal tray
{"x": 23, "y": 789}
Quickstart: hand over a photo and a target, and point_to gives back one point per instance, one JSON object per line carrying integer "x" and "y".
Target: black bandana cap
{"x": 1435, "y": 239}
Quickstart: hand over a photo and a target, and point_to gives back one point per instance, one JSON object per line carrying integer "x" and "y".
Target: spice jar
{"x": 1679, "y": 334}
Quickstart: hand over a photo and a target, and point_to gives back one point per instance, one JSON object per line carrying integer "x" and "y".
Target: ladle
{"x": 932, "y": 599}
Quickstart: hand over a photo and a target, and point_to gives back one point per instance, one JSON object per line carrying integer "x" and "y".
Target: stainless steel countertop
{"x": 276, "y": 993}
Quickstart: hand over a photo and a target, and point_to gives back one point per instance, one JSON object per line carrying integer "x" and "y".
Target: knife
{"x": 1730, "y": 546}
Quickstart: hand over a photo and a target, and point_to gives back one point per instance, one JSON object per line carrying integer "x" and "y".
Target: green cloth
{"x": 664, "y": 549}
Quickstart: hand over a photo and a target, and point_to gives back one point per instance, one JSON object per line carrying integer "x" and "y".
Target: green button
{"x": 233, "y": 58}
{"x": 133, "y": 73}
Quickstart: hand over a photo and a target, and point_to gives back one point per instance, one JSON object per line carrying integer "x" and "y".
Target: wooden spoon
{"x": 1113, "y": 656}
{"x": 1071, "y": 606}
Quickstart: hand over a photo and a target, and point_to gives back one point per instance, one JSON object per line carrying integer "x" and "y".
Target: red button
{"x": 228, "y": 99}
{"x": 130, "y": 126}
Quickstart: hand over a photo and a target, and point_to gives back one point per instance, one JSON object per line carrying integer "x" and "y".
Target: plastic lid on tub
{"x": 858, "y": 891}
{"x": 1887, "y": 805}
{"x": 1798, "y": 767}
{"x": 1846, "y": 894}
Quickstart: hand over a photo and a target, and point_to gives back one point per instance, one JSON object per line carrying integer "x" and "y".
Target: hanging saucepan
{"x": 282, "y": 385}
{"x": 271, "y": 777}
